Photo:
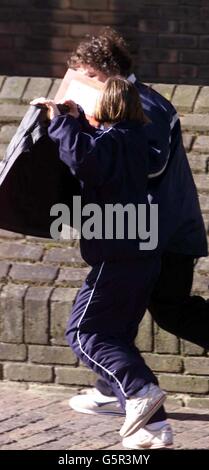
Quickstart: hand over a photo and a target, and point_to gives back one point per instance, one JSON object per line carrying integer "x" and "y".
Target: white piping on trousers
{"x": 79, "y": 340}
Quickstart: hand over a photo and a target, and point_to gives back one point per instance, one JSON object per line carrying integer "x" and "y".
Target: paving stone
{"x": 21, "y": 251}
{"x": 202, "y": 102}
{"x": 201, "y": 144}
{"x": 199, "y": 163}
{"x": 69, "y": 256}
{"x": 144, "y": 339}
{"x": 3, "y": 148}
{"x": 6, "y": 133}
{"x": 75, "y": 376}
{"x": 60, "y": 307}
{"x": 199, "y": 402}
{"x": 164, "y": 89}
{"x": 11, "y": 313}
{"x": 204, "y": 203}
{"x": 187, "y": 140}
{"x": 2, "y": 78}
{"x": 51, "y": 355}
{"x": 184, "y": 97}
{"x": 195, "y": 122}
{"x": 37, "y": 87}
{"x": 28, "y": 372}
{"x": 54, "y": 89}
{"x": 178, "y": 383}
{"x": 13, "y": 88}
{"x": 4, "y": 269}
{"x": 74, "y": 277}
{"x": 202, "y": 183}
{"x": 196, "y": 365}
{"x": 164, "y": 342}
{"x": 200, "y": 285}
{"x": 203, "y": 265}
{"x": 12, "y": 352}
{"x": 36, "y": 322}
{"x": 191, "y": 349}
{"x": 163, "y": 362}
{"x": 10, "y": 235}
{"x": 33, "y": 273}
{"x": 12, "y": 112}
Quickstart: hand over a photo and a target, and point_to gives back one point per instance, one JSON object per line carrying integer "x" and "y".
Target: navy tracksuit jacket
{"x": 112, "y": 167}
{"x": 171, "y": 184}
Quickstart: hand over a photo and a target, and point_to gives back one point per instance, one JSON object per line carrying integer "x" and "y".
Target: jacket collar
{"x": 132, "y": 78}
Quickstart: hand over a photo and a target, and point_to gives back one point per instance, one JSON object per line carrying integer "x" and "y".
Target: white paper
{"x": 84, "y": 95}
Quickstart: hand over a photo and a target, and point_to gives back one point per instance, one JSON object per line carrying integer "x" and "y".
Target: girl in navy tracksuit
{"x": 112, "y": 166}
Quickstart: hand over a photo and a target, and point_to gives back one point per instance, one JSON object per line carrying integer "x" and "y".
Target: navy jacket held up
{"x": 33, "y": 178}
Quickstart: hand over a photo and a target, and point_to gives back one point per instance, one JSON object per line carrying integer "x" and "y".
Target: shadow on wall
{"x": 167, "y": 39}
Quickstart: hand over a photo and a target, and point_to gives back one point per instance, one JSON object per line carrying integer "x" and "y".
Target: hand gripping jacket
{"x": 33, "y": 178}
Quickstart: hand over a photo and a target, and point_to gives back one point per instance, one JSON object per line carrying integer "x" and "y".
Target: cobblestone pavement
{"x": 41, "y": 419}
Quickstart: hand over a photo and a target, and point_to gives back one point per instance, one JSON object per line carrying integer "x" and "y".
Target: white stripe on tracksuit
{"x": 79, "y": 339}
{"x": 175, "y": 118}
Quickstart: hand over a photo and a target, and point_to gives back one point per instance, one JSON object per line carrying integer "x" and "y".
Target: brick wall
{"x": 169, "y": 39}
{"x": 39, "y": 278}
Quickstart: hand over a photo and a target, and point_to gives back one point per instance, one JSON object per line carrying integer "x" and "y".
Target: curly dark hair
{"x": 107, "y": 53}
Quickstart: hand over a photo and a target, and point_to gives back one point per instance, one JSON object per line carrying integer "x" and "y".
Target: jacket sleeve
{"x": 162, "y": 140}
{"x": 88, "y": 156}
{"x": 163, "y": 132}
{"x": 159, "y": 148}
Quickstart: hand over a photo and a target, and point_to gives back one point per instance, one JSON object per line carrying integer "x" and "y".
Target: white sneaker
{"x": 145, "y": 439}
{"x": 139, "y": 409}
{"x": 95, "y": 403}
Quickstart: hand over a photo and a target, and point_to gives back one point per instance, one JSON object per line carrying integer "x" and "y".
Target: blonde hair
{"x": 119, "y": 101}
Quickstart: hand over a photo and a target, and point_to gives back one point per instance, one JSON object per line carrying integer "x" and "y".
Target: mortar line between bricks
{"x": 7, "y": 419}
{"x": 153, "y": 336}
{"x": 112, "y": 444}
{"x": 3, "y": 284}
{"x": 29, "y": 448}
{"x": 38, "y": 445}
{"x": 207, "y": 166}
{"x": 57, "y": 274}
{"x": 24, "y": 89}
{"x": 19, "y": 427}
{"x": 23, "y": 320}
{"x": 9, "y": 268}
{"x": 20, "y": 412}
{"x": 172, "y": 94}
{"x": 44, "y": 431}
{"x": 196, "y": 97}
{"x": 41, "y": 260}
{"x": 49, "y": 329}
{"x": 194, "y": 137}
{"x": 21, "y": 260}
{"x": 51, "y": 86}
{"x": 3, "y": 82}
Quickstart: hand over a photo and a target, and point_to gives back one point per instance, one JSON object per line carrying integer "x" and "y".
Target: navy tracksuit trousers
{"x": 104, "y": 322}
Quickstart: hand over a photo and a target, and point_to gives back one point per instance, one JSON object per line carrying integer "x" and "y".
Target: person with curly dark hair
{"x": 107, "y": 54}
{"x": 182, "y": 237}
